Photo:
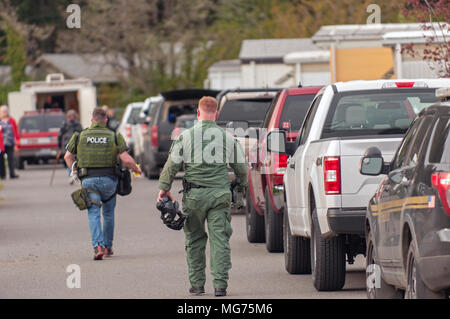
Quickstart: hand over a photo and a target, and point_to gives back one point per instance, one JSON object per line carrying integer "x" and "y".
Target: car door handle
{"x": 292, "y": 165}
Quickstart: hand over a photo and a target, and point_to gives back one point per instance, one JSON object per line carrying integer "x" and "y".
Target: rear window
{"x": 251, "y": 110}
{"x": 375, "y": 112}
{"x": 41, "y": 123}
{"x": 134, "y": 115}
{"x": 295, "y": 109}
{"x": 440, "y": 146}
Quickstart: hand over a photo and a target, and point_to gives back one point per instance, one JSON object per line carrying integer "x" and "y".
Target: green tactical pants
{"x": 212, "y": 205}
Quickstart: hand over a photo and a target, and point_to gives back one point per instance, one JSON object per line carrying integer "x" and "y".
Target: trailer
{"x": 55, "y": 92}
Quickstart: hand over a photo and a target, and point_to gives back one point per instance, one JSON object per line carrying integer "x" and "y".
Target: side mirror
{"x": 238, "y": 128}
{"x": 372, "y": 163}
{"x": 276, "y": 142}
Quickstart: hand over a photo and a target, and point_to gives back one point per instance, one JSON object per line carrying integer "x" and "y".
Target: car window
{"x": 440, "y": 145}
{"x": 53, "y": 123}
{"x": 252, "y": 110}
{"x": 400, "y": 158}
{"x": 295, "y": 109}
{"x": 420, "y": 142}
{"x": 31, "y": 124}
{"x": 269, "y": 113}
{"x": 134, "y": 115}
{"x": 303, "y": 135}
{"x": 375, "y": 112}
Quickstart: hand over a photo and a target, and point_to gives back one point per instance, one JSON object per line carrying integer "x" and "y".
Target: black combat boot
{"x": 197, "y": 291}
{"x": 220, "y": 292}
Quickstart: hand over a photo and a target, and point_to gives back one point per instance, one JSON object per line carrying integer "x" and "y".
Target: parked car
{"x": 38, "y": 136}
{"x": 265, "y": 202}
{"x": 326, "y": 195}
{"x": 244, "y": 105}
{"x": 184, "y": 122}
{"x": 163, "y": 118}
{"x": 129, "y": 119}
{"x": 408, "y": 219}
{"x": 139, "y": 131}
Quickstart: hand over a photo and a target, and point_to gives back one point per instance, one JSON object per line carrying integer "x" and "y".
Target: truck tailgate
{"x": 357, "y": 189}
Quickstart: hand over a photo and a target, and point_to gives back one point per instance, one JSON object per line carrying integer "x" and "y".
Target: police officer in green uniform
{"x": 97, "y": 149}
{"x": 205, "y": 150}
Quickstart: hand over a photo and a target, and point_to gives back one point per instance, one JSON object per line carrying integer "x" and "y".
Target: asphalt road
{"x": 42, "y": 233}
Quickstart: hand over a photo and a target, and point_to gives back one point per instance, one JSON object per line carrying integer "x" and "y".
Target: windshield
{"x": 41, "y": 123}
{"x": 294, "y": 110}
{"x": 375, "y": 112}
{"x": 251, "y": 110}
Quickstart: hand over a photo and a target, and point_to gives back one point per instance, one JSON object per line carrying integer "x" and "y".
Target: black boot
{"x": 197, "y": 291}
{"x": 220, "y": 292}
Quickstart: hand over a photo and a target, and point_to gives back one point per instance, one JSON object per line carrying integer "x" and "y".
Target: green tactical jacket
{"x": 97, "y": 146}
{"x": 205, "y": 149}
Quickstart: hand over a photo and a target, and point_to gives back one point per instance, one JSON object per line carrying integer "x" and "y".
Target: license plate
{"x": 46, "y": 152}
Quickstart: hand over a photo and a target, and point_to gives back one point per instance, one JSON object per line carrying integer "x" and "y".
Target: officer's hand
{"x": 137, "y": 170}
{"x": 164, "y": 193}
{"x": 74, "y": 176}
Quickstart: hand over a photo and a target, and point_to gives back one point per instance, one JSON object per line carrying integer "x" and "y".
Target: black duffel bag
{"x": 124, "y": 184}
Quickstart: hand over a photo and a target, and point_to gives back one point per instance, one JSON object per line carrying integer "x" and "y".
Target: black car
{"x": 408, "y": 219}
{"x": 163, "y": 118}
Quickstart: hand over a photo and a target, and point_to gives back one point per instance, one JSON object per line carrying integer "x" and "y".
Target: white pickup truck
{"x": 326, "y": 196}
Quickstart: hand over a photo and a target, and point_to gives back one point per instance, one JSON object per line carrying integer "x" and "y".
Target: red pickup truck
{"x": 265, "y": 195}
{"x": 38, "y": 136}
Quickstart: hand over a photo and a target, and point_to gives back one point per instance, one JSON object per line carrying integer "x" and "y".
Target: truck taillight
{"x": 154, "y": 135}
{"x": 144, "y": 128}
{"x": 441, "y": 181}
{"x": 332, "y": 175}
{"x": 128, "y": 130}
{"x": 279, "y": 168}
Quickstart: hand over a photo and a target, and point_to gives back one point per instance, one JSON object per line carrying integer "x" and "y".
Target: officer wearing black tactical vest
{"x": 96, "y": 150}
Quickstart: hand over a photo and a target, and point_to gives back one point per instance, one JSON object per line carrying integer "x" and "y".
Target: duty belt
{"x": 97, "y": 172}
{"x": 187, "y": 186}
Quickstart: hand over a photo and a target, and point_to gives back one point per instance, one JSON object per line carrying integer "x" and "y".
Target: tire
{"x": 152, "y": 172}
{"x": 416, "y": 288}
{"x": 384, "y": 290}
{"x": 327, "y": 259}
{"x": 254, "y": 223}
{"x": 274, "y": 227}
{"x": 20, "y": 163}
{"x": 297, "y": 250}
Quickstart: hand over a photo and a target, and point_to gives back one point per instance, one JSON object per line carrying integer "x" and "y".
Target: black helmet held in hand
{"x": 169, "y": 213}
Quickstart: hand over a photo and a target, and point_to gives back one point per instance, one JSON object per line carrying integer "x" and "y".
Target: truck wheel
{"x": 297, "y": 250}
{"x": 152, "y": 172}
{"x": 416, "y": 288}
{"x": 327, "y": 259}
{"x": 274, "y": 227}
{"x": 20, "y": 163}
{"x": 379, "y": 289}
{"x": 254, "y": 223}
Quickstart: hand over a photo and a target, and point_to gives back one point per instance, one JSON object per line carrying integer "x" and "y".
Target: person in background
{"x": 69, "y": 126}
{"x": 10, "y": 135}
{"x": 113, "y": 123}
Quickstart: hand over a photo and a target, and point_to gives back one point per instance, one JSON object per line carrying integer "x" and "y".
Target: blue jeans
{"x": 106, "y": 186}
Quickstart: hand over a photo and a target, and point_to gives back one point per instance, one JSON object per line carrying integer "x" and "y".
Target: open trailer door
{"x": 19, "y": 103}
{"x": 87, "y": 98}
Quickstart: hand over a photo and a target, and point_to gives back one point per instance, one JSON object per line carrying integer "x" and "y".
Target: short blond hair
{"x": 208, "y": 104}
